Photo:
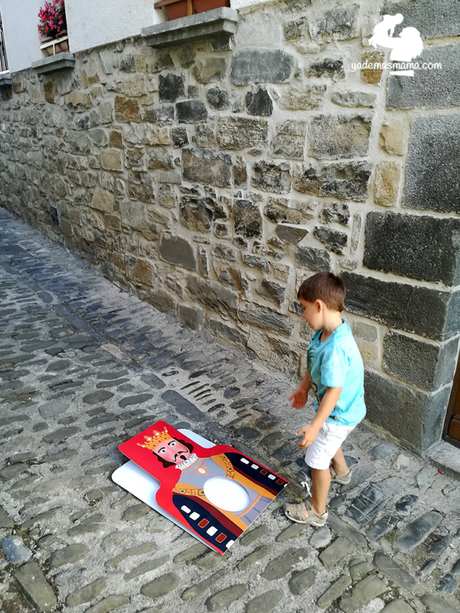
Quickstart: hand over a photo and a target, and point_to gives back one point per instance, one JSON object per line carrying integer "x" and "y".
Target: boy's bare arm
{"x": 299, "y": 397}
{"x": 310, "y": 431}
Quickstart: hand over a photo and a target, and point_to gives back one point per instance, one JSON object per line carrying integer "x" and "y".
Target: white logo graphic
{"x": 404, "y": 48}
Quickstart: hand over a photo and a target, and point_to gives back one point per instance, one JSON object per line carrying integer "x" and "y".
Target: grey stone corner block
{"x": 433, "y": 164}
{"x": 221, "y": 21}
{"x": 415, "y": 417}
{"x": 441, "y": 455}
{"x": 6, "y": 80}
{"x": 414, "y": 246}
{"x": 427, "y": 312}
{"x": 420, "y": 15}
{"x": 54, "y": 63}
{"x": 435, "y": 88}
{"x": 426, "y": 365}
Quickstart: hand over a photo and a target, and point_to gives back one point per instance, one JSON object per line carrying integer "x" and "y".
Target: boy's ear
{"x": 319, "y": 305}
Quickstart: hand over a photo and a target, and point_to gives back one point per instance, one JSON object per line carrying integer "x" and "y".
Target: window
{"x": 3, "y": 59}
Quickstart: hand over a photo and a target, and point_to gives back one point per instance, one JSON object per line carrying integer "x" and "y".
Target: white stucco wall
{"x": 89, "y": 22}
{"x": 20, "y": 21}
{"x": 97, "y": 22}
{"x": 244, "y": 4}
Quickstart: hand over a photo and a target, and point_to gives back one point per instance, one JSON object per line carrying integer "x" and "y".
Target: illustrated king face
{"x": 172, "y": 450}
{"x": 169, "y": 450}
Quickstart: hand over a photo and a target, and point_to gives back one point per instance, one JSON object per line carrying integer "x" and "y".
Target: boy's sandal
{"x": 295, "y": 512}
{"x": 342, "y": 479}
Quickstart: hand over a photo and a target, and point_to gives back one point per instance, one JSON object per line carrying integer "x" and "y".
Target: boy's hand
{"x": 299, "y": 398}
{"x": 310, "y": 432}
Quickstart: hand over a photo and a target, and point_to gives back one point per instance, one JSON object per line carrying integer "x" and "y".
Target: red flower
{"x": 52, "y": 19}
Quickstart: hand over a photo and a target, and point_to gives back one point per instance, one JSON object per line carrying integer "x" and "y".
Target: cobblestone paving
{"x": 83, "y": 367}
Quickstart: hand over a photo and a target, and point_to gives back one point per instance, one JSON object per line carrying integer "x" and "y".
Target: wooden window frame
{"x": 454, "y": 402}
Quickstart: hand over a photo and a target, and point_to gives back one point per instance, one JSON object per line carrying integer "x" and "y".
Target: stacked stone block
{"x": 211, "y": 178}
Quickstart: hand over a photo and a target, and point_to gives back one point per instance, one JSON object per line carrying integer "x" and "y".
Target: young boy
{"x": 335, "y": 374}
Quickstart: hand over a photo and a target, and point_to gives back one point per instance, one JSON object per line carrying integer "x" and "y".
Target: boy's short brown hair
{"x": 326, "y": 287}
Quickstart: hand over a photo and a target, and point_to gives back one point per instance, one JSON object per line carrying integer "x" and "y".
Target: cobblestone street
{"x": 85, "y": 366}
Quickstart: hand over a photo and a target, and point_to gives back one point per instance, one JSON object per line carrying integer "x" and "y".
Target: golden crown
{"x": 157, "y": 437}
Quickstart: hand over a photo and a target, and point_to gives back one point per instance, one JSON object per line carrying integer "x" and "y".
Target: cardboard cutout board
{"x": 213, "y": 491}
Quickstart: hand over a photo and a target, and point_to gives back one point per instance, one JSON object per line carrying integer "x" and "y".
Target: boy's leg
{"x": 321, "y": 482}
{"x": 319, "y": 453}
{"x": 339, "y": 464}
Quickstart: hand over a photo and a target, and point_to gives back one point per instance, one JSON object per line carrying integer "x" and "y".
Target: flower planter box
{"x": 219, "y": 23}
{"x": 51, "y": 46}
{"x": 5, "y": 79}
{"x": 175, "y": 9}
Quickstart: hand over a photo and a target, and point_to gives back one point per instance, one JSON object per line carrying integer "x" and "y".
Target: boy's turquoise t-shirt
{"x": 337, "y": 362}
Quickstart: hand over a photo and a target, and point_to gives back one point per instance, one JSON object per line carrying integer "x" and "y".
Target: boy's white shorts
{"x": 330, "y": 437}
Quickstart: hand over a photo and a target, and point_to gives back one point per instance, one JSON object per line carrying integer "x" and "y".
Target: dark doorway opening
{"x": 451, "y": 432}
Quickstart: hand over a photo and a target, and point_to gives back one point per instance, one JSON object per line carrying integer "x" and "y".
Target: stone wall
{"x": 212, "y": 178}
